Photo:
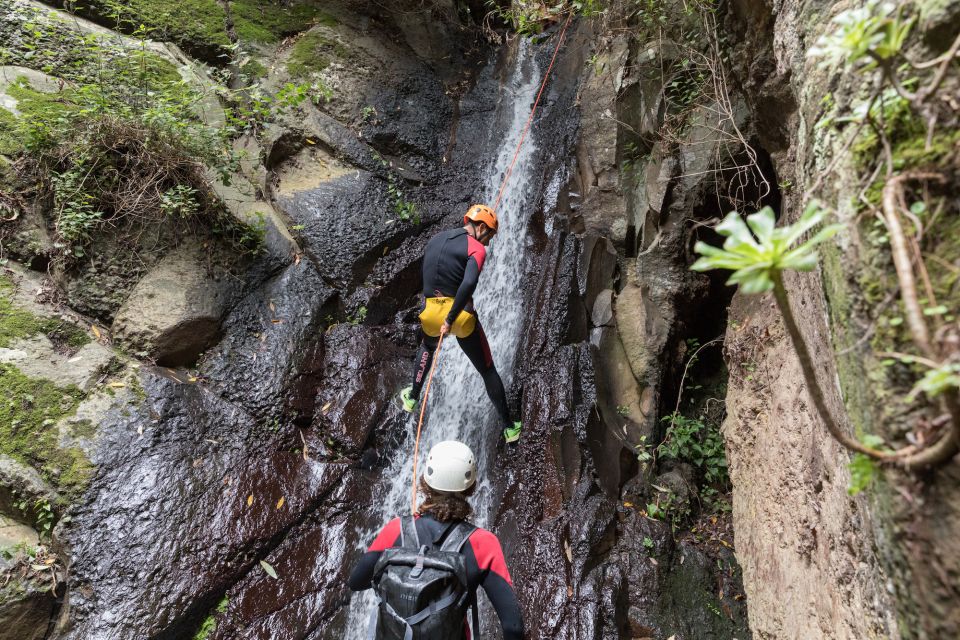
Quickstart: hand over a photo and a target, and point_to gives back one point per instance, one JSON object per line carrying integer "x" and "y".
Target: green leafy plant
{"x": 691, "y": 440}
{"x": 758, "y": 253}
{"x": 876, "y": 30}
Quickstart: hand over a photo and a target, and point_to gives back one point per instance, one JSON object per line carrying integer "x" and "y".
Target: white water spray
{"x": 458, "y": 407}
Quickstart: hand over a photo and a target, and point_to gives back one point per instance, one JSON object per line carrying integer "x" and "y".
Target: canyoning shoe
{"x": 407, "y": 401}
{"x": 512, "y": 434}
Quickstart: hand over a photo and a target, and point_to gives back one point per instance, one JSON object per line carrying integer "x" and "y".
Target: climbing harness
{"x": 503, "y": 186}
{"x": 423, "y": 409}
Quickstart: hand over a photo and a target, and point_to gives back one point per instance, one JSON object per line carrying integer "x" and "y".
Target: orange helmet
{"x": 481, "y": 213}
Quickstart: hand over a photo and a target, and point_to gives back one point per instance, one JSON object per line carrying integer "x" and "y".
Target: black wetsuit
{"x": 452, "y": 264}
{"x": 484, "y": 561}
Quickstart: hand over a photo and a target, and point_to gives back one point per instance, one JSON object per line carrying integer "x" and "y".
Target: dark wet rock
{"x": 267, "y": 338}
{"x": 174, "y": 312}
{"x": 25, "y": 613}
{"x": 363, "y": 372}
{"x": 207, "y": 481}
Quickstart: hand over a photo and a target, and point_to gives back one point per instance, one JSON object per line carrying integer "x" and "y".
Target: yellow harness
{"x": 435, "y": 313}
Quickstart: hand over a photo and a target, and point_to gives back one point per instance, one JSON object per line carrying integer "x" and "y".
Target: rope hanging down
{"x": 423, "y": 409}
{"x": 503, "y": 186}
{"x": 536, "y": 103}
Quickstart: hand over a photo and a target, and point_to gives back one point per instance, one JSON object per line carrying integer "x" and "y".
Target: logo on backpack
{"x": 422, "y": 588}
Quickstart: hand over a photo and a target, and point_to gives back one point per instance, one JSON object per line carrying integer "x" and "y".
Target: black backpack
{"x": 422, "y": 588}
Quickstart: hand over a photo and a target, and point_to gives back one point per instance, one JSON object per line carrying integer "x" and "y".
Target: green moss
{"x": 9, "y": 140}
{"x": 254, "y": 69}
{"x": 269, "y": 21}
{"x": 18, "y": 323}
{"x": 35, "y": 38}
{"x": 210, "y": 623}
{"x": 199, "y": 25}
{"x": 29, "y": 411}
{"x": 313, "y": 53}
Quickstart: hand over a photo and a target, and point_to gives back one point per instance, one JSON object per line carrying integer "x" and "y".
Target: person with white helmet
{"x": 426, "y": 569}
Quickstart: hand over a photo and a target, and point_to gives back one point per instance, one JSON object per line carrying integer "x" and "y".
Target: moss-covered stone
{"x": 314, "y": 52}
{"x": 19, "y": 323}
{"x": 41, "y": 40}
{"x": 9, "y": 142}
{"x": 29, "y": 411}
{"x": 199, "y": 26}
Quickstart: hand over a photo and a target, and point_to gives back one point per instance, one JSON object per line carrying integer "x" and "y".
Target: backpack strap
{"x": 457, "y": 537}
{"x": 409, "y": 539}
{"x": 455, "y": 541}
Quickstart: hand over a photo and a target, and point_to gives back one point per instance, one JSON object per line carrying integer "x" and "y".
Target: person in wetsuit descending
{"x": 452, "y": 263}
{"x": 449, "y": 478}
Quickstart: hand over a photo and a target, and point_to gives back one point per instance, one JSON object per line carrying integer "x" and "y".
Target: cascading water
{"x": 458, "y": 407}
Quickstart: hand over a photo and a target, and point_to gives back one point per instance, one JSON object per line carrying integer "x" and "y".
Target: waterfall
{"x": 458, "y": 407}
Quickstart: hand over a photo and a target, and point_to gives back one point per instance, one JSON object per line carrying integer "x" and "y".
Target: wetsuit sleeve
{"x": 497, "y": 584}
{"x": 471, "y": 276}
{"x": 362, "y": 575}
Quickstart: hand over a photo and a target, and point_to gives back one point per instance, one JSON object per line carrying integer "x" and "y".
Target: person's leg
{"x": 478, "y": 350}
{"x": 421, "y": 366}
{"x": 409, "y": 396}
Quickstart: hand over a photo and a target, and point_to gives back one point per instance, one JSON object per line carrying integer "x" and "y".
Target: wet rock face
{"x": 581, "y": 553}
{"x": 256, "y": 454}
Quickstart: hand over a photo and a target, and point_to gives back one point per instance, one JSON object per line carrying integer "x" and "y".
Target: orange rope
{"x": 503, "y": 185}
{"x": 533, "y": 110}
{"x": 423, "y": 408}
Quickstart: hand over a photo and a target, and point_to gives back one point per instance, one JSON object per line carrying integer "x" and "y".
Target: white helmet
{"x": 451, "y": 467}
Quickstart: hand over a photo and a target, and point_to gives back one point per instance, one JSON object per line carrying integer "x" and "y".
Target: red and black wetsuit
{"x": 484, "y": 560}
{"x": 451, "y": 268}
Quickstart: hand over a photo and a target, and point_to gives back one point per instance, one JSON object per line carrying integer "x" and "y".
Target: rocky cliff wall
{"x": 818, "y": 562}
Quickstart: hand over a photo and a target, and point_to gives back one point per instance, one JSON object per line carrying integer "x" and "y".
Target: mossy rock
{"x": 46, "y": 41}
{"x": 19, "y": 323}
{"x": 199, "y": 26}
{"x": 314, "y": 52}
{"x": 29, "y": 411}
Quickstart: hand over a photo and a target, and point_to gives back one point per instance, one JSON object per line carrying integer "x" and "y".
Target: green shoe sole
{"x": 408, "y": 403}
{"x": 512, "y": 434}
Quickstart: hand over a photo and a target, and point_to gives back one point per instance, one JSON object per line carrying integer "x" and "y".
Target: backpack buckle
{"x": 418, "y": 568}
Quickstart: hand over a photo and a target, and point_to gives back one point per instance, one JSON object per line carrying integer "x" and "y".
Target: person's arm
{"x": 505, "y": 603}
{"x": 497, "y": 583}
{"x": 362, "y": 575}
{"x": 471, "y": 276}
{"x": 476, "y": 254}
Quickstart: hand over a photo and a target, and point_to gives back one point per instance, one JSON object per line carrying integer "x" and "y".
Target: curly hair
{"x": 445, "y": 507}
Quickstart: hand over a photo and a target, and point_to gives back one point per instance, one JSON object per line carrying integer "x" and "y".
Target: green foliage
{"x": 876, "y": 29}
{"x": 936, "y": 380}
{"x": 696, "y": 442}
{"x": 359, "y": 316}
{"x": 257, "y": 108}
{"x": 529, "y": 17}
{"x": 755, "y": 250}
{"x": 863, "y": 469}
{"x": 404, "y": 209}
{"x": 643, "y": 449}
{"x": 124, "y": 145}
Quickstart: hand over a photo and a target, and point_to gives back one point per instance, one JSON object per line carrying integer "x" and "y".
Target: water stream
{"x": 458, "y": 407}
